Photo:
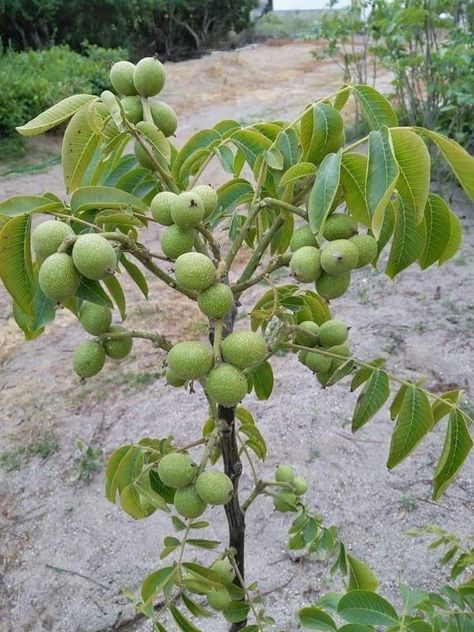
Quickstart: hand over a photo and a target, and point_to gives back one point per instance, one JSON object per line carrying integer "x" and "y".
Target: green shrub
{"x": 33, "y": 80}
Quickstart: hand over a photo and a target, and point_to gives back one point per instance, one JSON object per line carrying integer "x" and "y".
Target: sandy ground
{"x": 66, "y": 553}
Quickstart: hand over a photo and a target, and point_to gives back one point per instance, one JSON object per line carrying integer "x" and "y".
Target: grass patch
{"x": 43, "y": 446}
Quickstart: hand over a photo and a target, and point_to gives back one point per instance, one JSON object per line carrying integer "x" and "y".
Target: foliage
{"x": 280, "y": 25}
{"x": 87, "y": 463}
{"x": 427, "y": 46}
{"x": 173, "y": 27}
{"x": 43, "y": 446}
{"x": 287, "y": 182}
{"x": 48, "y": 75}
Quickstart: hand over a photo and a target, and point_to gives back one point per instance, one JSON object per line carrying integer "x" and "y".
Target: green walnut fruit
{"x": 341, "y": 350}
{"x": 121, "y": 78}
{"x": 332, "y": 287}
{"x": 118, "y": 349}
{"x": 48, "y": 236}
{"x": 133, "y": 108}
{"x": 305, "y": 264}
{"x": 216, "y": 301}
{"x": 304, "y": 339}
{"x": 58, "y": 277}
{"x": 149, "y": 77}
{"x": 96, "y": 319}
{"x": 339, "y": 226}
{"x": 164, "y": 117}
{"x": 188, "y": 503}
{"x": 284, "y": 474}
{"x": 173, "y": 380}
{"x": 209, "y": 197}
{"x": 303, "y": 236}
{"x": 218, "y": 598}
{"x": 225, "y": 570}
{"x": 142, "y": 157}
{"x": 214, "y": 487}
{"x": 94, "y": 256}
{"x": 333, "y": 332}
{"x": 300, "y": 485}
{"x": 226, "y": 384}
{"x": 323, "y": 378}
{"x": 177, "y": 470}
{"x": 339, "y": 257}
{"x": 302, "y": 357}
{"x": 367, "y": 247}
{"x": 317, "y": 362}
{"x": 244, "y": 349}
{"x": 188, "y": 210}
{"x": 88, "y": 359}
{"x": 285, "y": 501}
{"x": 190, "y": 360}
{"x": 175, "y": 241}
{"x": 161, "y": 206}
{"x": 194, "y": 271}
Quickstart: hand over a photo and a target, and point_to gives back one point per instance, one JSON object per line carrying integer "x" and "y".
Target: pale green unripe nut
{"x": 190, "y": 360}
{"x": 305, "y": 264}
{"x": 188, "y": 210}
{"x": 188, "y": 503}
{"x": 133, "y": 108}
{"x": 194, "y": 271}
{"x": 161, "y": 206}
{"x": 226, "y": 385}
{"x": 367, "y": 247}
{"x": 244, "y": 349}
{"x": 177, "y": 470}
{"x": 175, "y": 241}
{"x": 333, "y": 332}
{"x": 303, "y": 236}
{"x": 218, "y": 598}
{"x": 300, "y": 485}
{"x": 88, "y": 359}
{"x": 341, "y": 350}
{"x": 94, "y": 256}
{"x": 164, "y": 117}
{"x": 317, "y": 362}
{"x": 304, "y": 339}
{"x": 284, "y": 474}
{"x": 173, "y": 380}
{"x": 149, "y": 77}
{"x": 121, "y": 78}
{"x": 48, "y": 236}
{"x": 96, "y": 319}
{"x": 209, "y": 197}
{"x": 225, "y": 570}
{"x": 216, "y": 301}
{"x": 285, "y": 502}
{"x": 58, "y": 277}
{"x": 339, "y": 257}
{"x": 118, "y": 349}
{"x": 332, "y": 287}
{"x": 339, "y": 226}
{"x": 214, "y": 487}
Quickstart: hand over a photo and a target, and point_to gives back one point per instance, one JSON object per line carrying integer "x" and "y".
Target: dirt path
{"x": 65, "y": 553}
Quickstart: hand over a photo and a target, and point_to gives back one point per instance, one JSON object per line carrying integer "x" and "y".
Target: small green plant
{"x": 408, "y": 503}
{"x": 87, "y": 463}
{"x": 43, "y": 446}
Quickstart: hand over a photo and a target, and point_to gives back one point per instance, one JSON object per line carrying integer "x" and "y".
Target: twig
{"x": 77, "y": 574}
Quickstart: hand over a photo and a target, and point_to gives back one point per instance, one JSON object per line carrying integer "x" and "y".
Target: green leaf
{"x": 155, "y": 582}
{"x": 363, "y": 374}
{"x": 460, "y": 162}
{"x": 256, "y": 440}
{"x": 135, "y": 274}
{"x": 455, "y": 237}
{"x": 353, "y": 174}
{"x": 414, "y": 421}
{"x": 15, "y": 261}
{"x": 437, "y": 222}
{"x": 77, "y": 150}
{"x": 342, "y": 97}
{"x": 233, "y": 193}
{"x": 397, "y": 402}
{"x": 371, "y": 399}
{"x": 367, "y": 608}
{"x": 21, "y": 204}
{"x": 55, "y": 115}
{"x": 209, "y": 545}
{"x": 375, "y": 107}
{"x": 321, "y": 132}
{"x": 288, "y": 144}
{"x": 382, "y": 175}
{"x": 111, "y": 470}
{"x": 205, "y": 574}
{"x": 132, "y": 503}
{"x": 408, "y": 239}
{"x": 355, "y": 627}
{"x": 313, "y": 618}
{"x": 195, "y": 608}
{"x": 441, "y": 409}
{"x": 324, "y": 191}
{"x": 92, "y": 291}
{"x": 244, "y": 415}
{"x": 204, "y": 139}
{"x": 263, "y": 380}
{"x": 414, "y": 162}
{"x": 360, "y": 575}
{"x": 274, "y": 159}
{"x": 236, "y": 611}
{"x": 182, "y": 622}
{"x": 457, "y": 445}
{"x": 296, "y": 172}
{"x": 251, "y": 143}
{"x": 226, "y": 127}
{"x": 86, "y": 198}
{"x": 412, "y": 598}
{"x": 118, "y": 295}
